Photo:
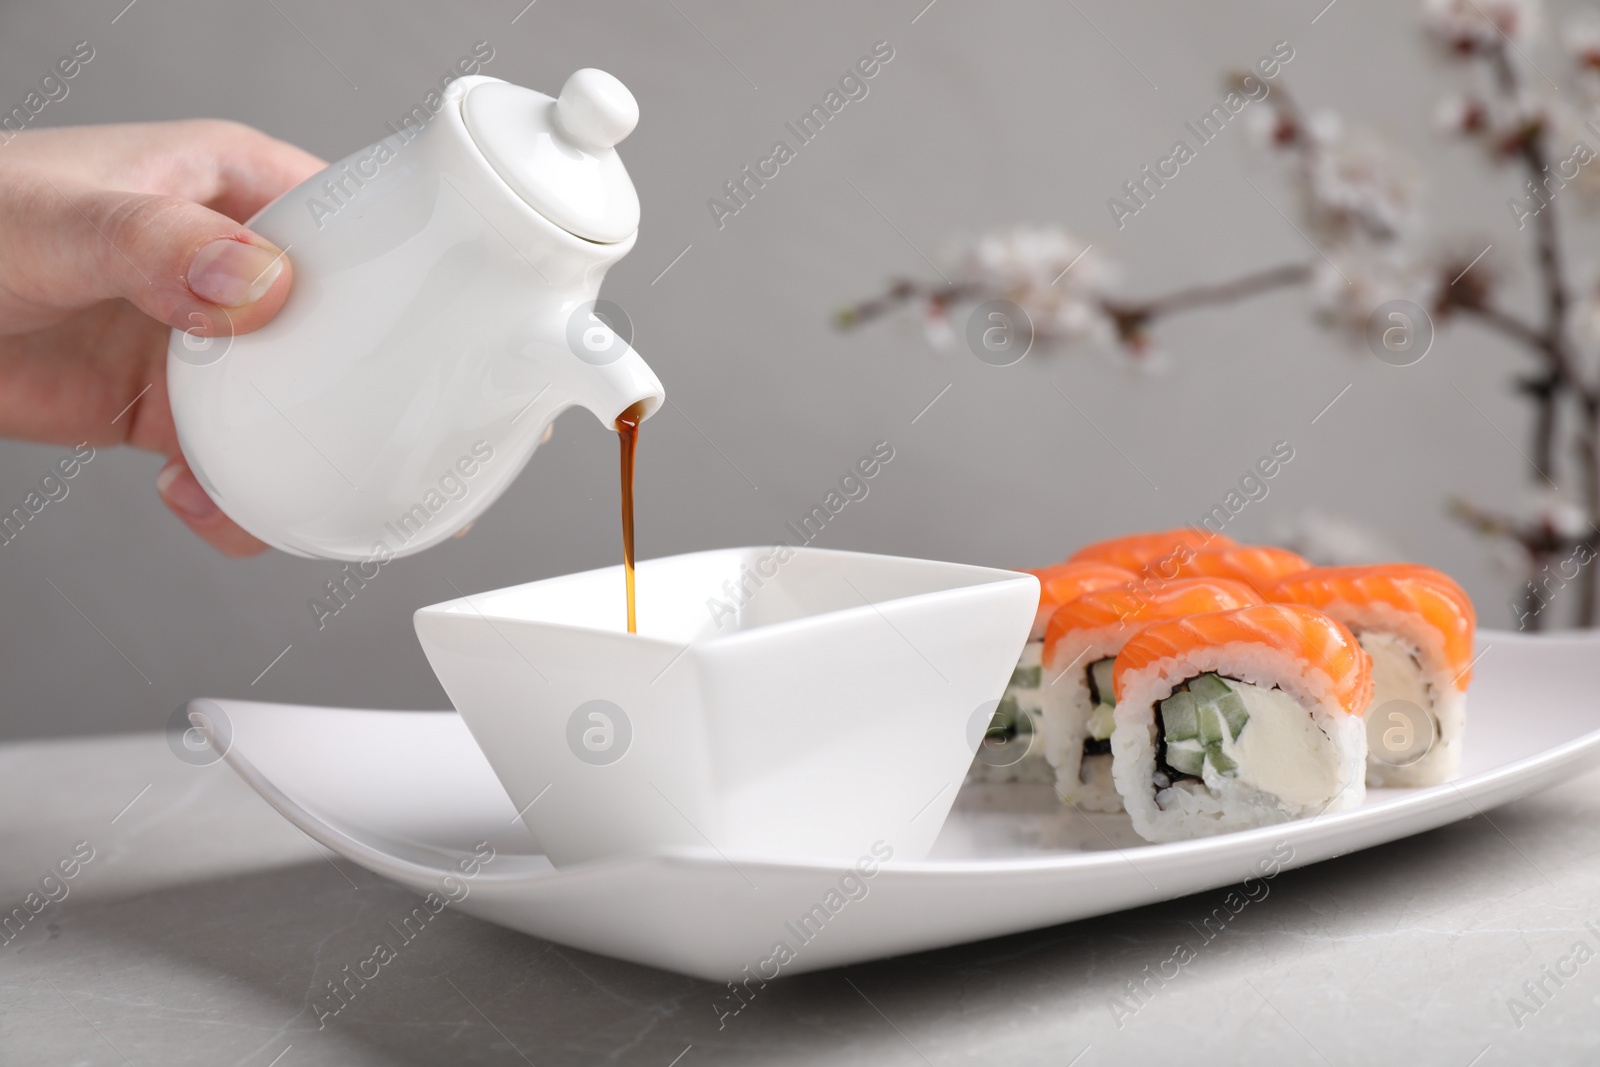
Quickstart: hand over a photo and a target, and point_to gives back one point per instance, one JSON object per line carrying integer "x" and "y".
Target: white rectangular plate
{"x": 409, "y": 795}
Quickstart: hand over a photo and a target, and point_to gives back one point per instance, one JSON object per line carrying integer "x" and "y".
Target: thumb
{"x": 175, "y": 260}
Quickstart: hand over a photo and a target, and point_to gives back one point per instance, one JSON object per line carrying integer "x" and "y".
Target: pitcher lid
{"x": 558, "y": 155}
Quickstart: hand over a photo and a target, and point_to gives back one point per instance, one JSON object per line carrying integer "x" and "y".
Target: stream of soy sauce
{"x": 628, "y": 435}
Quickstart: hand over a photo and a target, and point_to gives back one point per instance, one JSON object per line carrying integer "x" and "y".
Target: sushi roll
{"x": 1080, "y": 649}
{"x": 1136, "y": 552}
{"x": 1417, "y": 625}
{"x": 1016, "y": 719}
{"x": 1239, "y": 719}
{"x": 1258, "y": 566}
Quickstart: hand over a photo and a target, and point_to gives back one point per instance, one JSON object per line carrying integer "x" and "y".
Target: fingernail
{"x": 179, "y": 488}
{"x": 232, "y": 273}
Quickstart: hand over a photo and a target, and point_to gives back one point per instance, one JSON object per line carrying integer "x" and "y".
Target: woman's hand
{"x": 109, "y": 237}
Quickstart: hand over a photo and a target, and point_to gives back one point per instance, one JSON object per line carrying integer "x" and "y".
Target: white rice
{"x": 1191, "y": 808}
{"x": 1067, "y": 704}
{"x": 1447, "y": 706}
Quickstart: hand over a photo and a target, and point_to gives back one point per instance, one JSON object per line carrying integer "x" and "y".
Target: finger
{"x": 251, "y": 170}
{"x": 99, "y": 377}
{"x": 180, "y": 263}
{"x": 181, "y": 492}
{"x": 228, "y": 166}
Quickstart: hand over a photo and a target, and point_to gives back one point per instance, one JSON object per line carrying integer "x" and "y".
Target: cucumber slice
{"x": 1178, "y": 717}
{"x": 1102, "y": 721}
{"x": 1220, "y": 761}
{"x": 1101, "y": 672}
{"x": 1212, "y": 727}
{"x": 1186, "y": 757}
{"x": 1208, "y": 687}
{"x": 1233, "y": 711}
{"x": 1025, "y": 677}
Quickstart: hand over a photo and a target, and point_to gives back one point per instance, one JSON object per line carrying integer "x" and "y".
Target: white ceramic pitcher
{"x": 442, "y": 315}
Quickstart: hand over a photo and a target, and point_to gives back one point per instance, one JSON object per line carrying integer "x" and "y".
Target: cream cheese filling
{"x": 1281, "y": 750}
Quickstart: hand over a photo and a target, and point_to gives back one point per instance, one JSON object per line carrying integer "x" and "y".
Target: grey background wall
{"x": 988, "y": 114}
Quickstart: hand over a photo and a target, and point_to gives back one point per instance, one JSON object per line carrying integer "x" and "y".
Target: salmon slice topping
{"x": 1259, "y": 566}
{"x": 1430, "y": 595}
{"x": 1135, "y": 607}
{"x": 1136, "y": 551}
{"x": 1068, "y": 581}
{"x": 1304, "y": 633}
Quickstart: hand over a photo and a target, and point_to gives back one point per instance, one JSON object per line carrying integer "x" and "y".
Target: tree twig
{"x": 1129, "y": 316}
{"x": 1503, "y": 323}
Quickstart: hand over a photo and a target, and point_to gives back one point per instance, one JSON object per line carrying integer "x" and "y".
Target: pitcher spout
{"x": 615, "y": 379}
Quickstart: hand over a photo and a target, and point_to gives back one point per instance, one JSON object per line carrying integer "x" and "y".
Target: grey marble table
{"x": 202, "y": 926}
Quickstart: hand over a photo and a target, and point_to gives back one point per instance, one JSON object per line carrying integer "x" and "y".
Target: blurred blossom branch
{"x": 1129, "y": 319}
{"x": 1357, "y": 201}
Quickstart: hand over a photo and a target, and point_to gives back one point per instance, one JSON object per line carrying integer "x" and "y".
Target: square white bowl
{"x": 832, "y": 704}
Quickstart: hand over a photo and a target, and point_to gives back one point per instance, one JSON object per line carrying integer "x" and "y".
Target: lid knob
{"x": 596, "y": 110}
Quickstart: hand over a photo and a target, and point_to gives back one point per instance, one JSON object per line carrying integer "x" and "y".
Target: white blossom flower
{"x": 1468, "y": 26}
{"x": 1025, "y": 256}
{"x": 936, "y": 328}
{"x": 1462, "y": 114}
{"x": 1504, "y": 123}
{"x": 1054, "y": 277}
{"x": 1554, "y": 510}
{"x": 1354, "y": 185}
{"x": 1574, "y": 150}
{"x": 1269, "y": 127}
{"x": 1261, "y": 127}
{"x": 1358, "y": 279}
{"x": 1325, "y": 127}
